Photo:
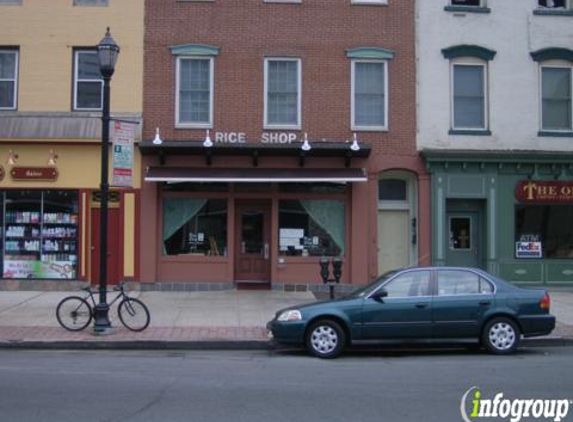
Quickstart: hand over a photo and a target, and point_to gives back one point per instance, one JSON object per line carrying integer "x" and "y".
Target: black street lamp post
{"x": 107, "y": 52}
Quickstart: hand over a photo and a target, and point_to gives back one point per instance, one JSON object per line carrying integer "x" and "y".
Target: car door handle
{"x": 485, "y": 303}
{"x": 421, "y": 305}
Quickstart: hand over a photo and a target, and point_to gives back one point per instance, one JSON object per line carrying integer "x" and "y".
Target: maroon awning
{"x": 254, "y": 175}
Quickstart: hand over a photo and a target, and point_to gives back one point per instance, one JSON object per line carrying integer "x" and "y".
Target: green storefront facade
{"x": 510, "y": 213}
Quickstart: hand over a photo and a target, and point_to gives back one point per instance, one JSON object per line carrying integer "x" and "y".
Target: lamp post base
{"x": 102, "y": 324}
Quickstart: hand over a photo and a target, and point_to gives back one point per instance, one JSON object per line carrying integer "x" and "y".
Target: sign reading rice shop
{"x": 535, "y": 191}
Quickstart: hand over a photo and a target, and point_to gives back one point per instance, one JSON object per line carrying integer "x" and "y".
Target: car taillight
{"x": 545, "y": 302}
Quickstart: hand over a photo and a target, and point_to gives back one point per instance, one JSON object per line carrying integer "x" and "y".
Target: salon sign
{"x": 535, "y": 191}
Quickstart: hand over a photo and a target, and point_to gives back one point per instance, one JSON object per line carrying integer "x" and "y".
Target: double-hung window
{"x": 282, "y": 93}
{"x": 556, "y": 93}
{"x": 369, "y": 99}
{"x": 88, "y": 83}
{"x": 8, "y": 79}
{"x": 194, "y": 92}
{"x": 469, "y": 96}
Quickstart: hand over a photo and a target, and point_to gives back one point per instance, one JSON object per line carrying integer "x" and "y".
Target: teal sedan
{"x": 435, "y": 304}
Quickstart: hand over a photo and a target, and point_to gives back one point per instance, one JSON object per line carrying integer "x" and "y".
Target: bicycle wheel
{"x": 133, "y": 314}
{"x": 74, "y": 313}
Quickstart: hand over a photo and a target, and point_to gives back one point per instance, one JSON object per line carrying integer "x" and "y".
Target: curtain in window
{"x": 329, "y": 215}
{"x": 369, "y": 94}
{"x": 469, "y": 97}
{"x": 177, "y": 212}
{"x": 556, "y": 92}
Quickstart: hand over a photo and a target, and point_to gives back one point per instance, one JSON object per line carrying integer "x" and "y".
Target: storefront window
{"x": 544, "y": 231}
{"x": 312, "y": 187}
{"x": 194, "y": 226}
{"x": 40, "y": 234}
{"x": 311, "y": 227}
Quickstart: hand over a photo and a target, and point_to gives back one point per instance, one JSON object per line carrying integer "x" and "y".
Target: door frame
{"x": 475, "y": 210}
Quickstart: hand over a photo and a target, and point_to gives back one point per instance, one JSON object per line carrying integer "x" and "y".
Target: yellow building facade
{"x": 50, "y": 139}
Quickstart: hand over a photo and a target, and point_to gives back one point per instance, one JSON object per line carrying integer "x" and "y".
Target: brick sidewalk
{"x": 171, "y": 334}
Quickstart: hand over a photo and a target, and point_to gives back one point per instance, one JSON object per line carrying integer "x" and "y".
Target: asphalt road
{"x": 253, "y": 386}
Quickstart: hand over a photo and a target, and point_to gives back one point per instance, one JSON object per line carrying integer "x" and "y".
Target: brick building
{"x": 231, "y": 192}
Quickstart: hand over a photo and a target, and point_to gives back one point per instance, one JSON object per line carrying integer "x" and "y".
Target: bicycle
{"x": 74, "y": 313}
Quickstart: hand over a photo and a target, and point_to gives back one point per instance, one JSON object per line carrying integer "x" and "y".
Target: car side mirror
{"x": 379, "y": 295}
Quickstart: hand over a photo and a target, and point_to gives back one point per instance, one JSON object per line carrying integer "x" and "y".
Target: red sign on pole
{"x": 541, "y": 191}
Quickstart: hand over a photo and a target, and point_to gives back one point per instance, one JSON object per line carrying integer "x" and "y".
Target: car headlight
{"x": 291, "y": 315}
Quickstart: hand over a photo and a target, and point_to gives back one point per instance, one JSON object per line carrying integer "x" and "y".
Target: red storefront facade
{"x": 286, "y": 134}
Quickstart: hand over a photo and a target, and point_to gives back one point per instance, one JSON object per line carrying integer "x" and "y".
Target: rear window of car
{"x": 456, "y": 282}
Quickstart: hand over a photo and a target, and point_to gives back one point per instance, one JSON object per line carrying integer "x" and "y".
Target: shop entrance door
{"x": 113, "y": 262}
{"x": 465, "y": 244}
{"x": 252, "y": 244}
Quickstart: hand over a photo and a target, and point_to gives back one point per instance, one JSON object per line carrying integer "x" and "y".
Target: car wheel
{"x": 501, "y": 336}
{"x": 325, "y": 339}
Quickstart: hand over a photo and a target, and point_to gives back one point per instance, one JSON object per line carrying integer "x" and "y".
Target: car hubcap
{"x": 502, "y": 336}
{"x": 324, "y": 339}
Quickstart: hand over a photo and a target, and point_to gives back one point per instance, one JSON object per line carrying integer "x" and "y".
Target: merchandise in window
{"x": 311, "y": 227}
{"x": 88, "y": 83}
{"x": 282, "y": 92}
{"x": 194, "y": 226}
{"x": 545, "y": 229}
{"x": 469, "y": 97}
{"x": 368, "y": 94}
{"x": 556, "y": 110}
{"x": 194, "y": 91}
{"x": 8, "y": 79}
{"x": 40, "y": 234}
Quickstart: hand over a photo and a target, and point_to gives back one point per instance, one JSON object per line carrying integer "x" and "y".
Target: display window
{"x": 544, "y": 231}
{"x": 40, "y": 231}
{"x": 311, "y": 227}
{"x": 194, "y": 226}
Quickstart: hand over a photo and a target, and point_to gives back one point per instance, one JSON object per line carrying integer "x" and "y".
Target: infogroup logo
{"x": 474, "y": 406}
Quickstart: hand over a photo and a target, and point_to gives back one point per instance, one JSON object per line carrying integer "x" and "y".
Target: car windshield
{"x": 365, "y": 290}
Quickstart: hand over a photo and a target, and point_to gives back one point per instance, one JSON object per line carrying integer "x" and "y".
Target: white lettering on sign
{"x": 230, "y": 137}
{"x": 278, "y": 137}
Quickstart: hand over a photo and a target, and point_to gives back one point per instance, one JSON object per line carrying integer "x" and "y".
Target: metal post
{"x": 102, "y": 323}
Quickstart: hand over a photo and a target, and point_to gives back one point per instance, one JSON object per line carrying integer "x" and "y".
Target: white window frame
{"x": 15, "y": 79}
{"x": 298, "y": 123}
{"x": 77, "y": 80}
{"x": 554, "y": 64}
{"x": 195, "y": 125}
{"x": 353, "y": 124}
{"x": 469, "y": 61}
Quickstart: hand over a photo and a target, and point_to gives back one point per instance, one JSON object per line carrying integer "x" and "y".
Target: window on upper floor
{"x": 194, "y": 92}
{"x": 469, "y": 96}
{"x": 369, "y": 2}
{"x": 556, "y": 93}
{"x": 475, "y": 3}
{"x": 91, "y": 2}
{"x": 555, "y": 4}
{"x": 88, "y": 83}
{"x": 8, "y": 79}
{"x": 369, "y": 108}
{"x": 282, "y": 93}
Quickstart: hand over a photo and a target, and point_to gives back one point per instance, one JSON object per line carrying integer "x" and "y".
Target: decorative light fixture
{"x": 355, "y": 146}
{"x": 52, "y": 158}
{"x": 12, "y": 158}
{"x": 157, "y": 140}
{"x": 107, "y": 52}
{"x": 207, "y": 143}
{"x": 305, "y": 145}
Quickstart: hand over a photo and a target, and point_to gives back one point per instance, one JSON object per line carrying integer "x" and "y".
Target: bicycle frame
{"x": 90, "y": 294}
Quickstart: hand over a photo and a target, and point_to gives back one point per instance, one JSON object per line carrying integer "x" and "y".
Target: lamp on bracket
{"x": 354, "y": 146}
{"x": 305, "y": 145}
{"x": 207, "y": 143}
{"x": 52, "y": 158}
{"x": 157, "y": 140}
{"x": 12, "y": 158}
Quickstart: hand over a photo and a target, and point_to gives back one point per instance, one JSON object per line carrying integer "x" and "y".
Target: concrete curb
{"x": 210, "y": 344}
